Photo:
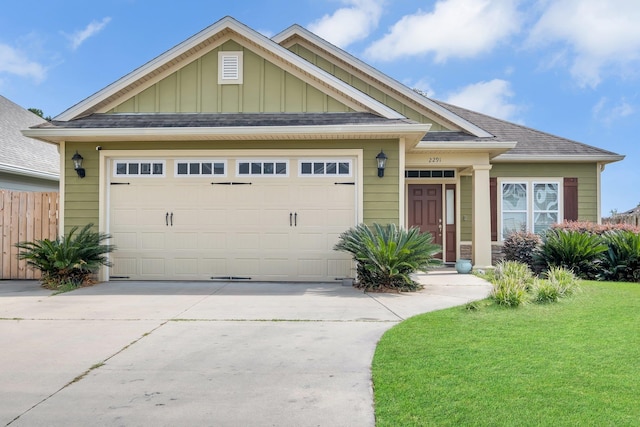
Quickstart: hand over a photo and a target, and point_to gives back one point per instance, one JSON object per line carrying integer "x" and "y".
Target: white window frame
{"x": 230, "y": 67}
{"x": 530, "y": 203}
{"x": 325, "y": 161}
{"x": 199, "y": 175}
{"x": 116, "y": 162}
{"x": 262, "y": 162}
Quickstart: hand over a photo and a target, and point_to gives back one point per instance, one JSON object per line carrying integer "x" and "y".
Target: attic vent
{"x": 229, "y": 68}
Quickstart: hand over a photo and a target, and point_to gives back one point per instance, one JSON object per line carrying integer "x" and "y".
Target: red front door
{"x": 425, "y": 210}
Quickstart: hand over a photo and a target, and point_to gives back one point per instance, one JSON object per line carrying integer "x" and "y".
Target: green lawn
{"x": 572, "y": 363}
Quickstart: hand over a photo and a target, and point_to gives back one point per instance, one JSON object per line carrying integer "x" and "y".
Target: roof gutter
{"x": 17, "y": 170}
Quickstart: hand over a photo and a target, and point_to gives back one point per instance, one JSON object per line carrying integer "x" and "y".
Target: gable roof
{"x": 532, "y": 144}
{"x": 298, "y": 32}
{"x": 22, "y": 155}
{"x": 203, "y": 42}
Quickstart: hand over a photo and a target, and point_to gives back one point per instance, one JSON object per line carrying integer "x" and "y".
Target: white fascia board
{"x": 17, "y": 170}
{"x": 558, "y": 158}
{"x": 414, "y": 131}
{"x": 255, "y": 37}
{"x": 297, "y": 30}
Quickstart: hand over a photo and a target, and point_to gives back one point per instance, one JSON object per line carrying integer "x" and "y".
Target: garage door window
{"x": 200, "y": 168}
{"x": 263, "y": 168}
{"x": 154, "y": 168}
{"x": 324, "y": 168}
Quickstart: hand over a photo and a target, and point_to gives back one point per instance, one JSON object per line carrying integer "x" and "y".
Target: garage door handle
{"x": 166, "y": 219}
{"x": 171, "y": 219}
{"x": 290, "y": 219}
{"x": 295, "y": 219}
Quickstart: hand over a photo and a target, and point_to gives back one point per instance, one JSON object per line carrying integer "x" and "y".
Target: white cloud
{"x": 607, "y": 114}
{"x": 594, "y": 36}
{"x": 92, "y": 29}
{"x": 455, "y": 28}
{"x": 491, "y": 98}
{"x": 349, "y": 24}
{"x": 13, "y": 61}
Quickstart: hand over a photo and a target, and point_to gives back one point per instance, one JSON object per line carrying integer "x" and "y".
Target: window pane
{"x": 331, "y": 168}
{"x": 207, "y": 168}
{"x": 218, "y": 168}
{"x": 182, "y": 168}
{"x": 121, "y": 169}
{"x": 133, "y": 168}
{"x": 425, "y": 174}
{"x": 412, "y": 174}
{"x": 318, "y": 168}
{"x": 194, "y": 168}
{"x": 243, "y": 168}
{"x": 545, "y": 197}
{"x": 513, "y": 221}
{"x": 145, "y": 168}
{"x": 306, "y": 168}
{"x": 343, "y": 168}
{"x": 514, "y": 197}
{"x": 157, "y": 168}
{"x": 268, "y": 169}
{"x": 281, "y": 168}
{"x": 543, "y": 221}
{"x": 256, "y": 168}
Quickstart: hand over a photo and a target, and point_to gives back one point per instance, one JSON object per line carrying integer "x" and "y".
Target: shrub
{"x": 68, "y": 260}
{"x": 577, "y": 251}
{"x": 593, "y": 228}
{"x": 512, "y": 281}
{"x": 514, "y": 270}
{"x": 559, "y": 284}
{"x": 621, "y": 261}
{"x": 520, "y": 246}
{"x": 564, "y": 280}
{"x": 388, "y": 255}
{"x": 509, "y": 292}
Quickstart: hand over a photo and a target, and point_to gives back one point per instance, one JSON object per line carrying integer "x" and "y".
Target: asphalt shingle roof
{"x": 171, "y": 120}
{"x": 18, "y": 150}
{"x": 530, "y": 142}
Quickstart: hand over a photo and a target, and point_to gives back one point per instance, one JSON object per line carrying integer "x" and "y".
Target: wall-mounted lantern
{"x": 382, "y": 163}
{"x": 77, "y": 164}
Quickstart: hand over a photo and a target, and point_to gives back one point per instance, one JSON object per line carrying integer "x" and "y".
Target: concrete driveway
{"x": 201, "y": 353}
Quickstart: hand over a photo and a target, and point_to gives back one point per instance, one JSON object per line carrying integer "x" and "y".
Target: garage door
{"x": 268, "y": 219}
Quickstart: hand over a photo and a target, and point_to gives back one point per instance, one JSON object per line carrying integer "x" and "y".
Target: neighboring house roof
{"x": 633, "y": 211}
{"x": 531, "y": 144}
{"x": 19, "y": 154}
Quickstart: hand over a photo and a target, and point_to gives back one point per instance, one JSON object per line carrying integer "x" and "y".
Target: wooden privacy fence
{"x": 24, "y": 216}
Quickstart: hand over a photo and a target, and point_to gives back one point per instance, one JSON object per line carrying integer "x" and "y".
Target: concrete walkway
{"x": 201, "y": 353}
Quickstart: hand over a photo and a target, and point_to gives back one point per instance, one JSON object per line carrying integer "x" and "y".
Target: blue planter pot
{"x": 464, "y": 266}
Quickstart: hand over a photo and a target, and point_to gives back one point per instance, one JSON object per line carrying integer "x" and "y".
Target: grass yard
{"x": 572, "y": 363}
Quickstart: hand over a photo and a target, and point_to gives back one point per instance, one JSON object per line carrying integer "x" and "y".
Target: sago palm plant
{"x": 387, "y": 255}
{"x": 580, "y": 252}
{"x": 67, "y": 260}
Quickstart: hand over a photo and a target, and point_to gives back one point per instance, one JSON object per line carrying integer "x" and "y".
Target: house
{"x": 234, "y": 155}
{"x": 26, "y": 164}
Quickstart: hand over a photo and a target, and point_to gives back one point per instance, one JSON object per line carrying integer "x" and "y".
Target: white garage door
{"x": 253, "y": 219}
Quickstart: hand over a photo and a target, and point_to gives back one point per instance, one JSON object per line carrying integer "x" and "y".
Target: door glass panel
{"x": 450, "y": 195}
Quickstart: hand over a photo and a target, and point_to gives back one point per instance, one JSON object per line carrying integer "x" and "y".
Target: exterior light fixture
{"x": 77, "y": 164}
{"x": 382, "y": 162}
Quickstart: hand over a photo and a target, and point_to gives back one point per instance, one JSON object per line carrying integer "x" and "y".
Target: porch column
{"x": 481, "y": 214}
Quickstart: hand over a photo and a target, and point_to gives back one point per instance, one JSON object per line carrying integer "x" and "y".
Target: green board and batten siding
{"x": 351, "y": 79}
{"x": 266, "y": 88}
{"x": 587, "y": 174}
{"x": 380, "y": 198}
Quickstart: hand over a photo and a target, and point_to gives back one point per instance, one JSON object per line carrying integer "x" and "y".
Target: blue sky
{"x": 567, "y": 67}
